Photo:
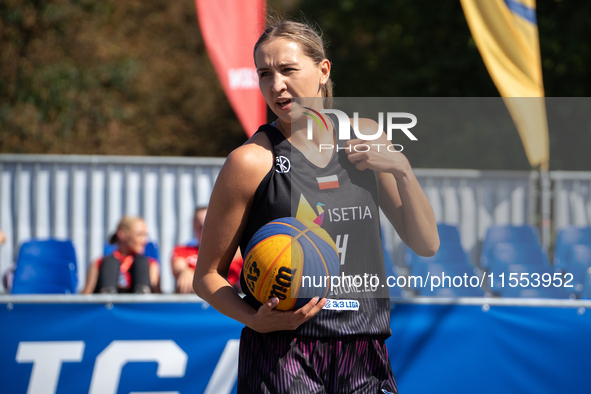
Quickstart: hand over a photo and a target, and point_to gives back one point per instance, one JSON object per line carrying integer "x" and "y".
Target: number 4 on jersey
{"x": 342, "y": 247}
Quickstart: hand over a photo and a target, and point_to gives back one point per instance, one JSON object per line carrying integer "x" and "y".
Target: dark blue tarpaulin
{"x": 507, "y": 349}
{"x": 176, "y": 347}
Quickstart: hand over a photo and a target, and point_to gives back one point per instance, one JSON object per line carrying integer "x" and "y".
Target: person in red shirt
{"x": 184, "y": 258}
{"x": 127, "y": 270}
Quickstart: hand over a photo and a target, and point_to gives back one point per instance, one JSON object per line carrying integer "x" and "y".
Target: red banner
{"x": 230, "y": 28}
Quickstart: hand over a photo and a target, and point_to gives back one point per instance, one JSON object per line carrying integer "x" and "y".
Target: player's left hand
{"x": 379, "y": 154}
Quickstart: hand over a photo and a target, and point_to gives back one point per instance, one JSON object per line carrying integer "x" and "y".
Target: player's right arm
{"x": 228, "y": 211}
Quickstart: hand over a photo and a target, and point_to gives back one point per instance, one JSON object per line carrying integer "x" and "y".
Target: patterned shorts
{"x": 279, "y": 363}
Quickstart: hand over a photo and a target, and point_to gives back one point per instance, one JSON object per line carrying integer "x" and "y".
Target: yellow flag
{"x": 506, "y": 34}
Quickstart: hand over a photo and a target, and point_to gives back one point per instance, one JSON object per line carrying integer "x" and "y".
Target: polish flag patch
{"x": 328, "y": 182}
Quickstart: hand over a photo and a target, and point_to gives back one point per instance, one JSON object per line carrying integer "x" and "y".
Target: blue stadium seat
{"x": 525, "y": 261}
{"x": 540, "y": 282}
{"x": 391, "y": 270}
{"x": 577, "y": 263}
{"x": 448, "y": 233}
{"x": 46, "y": 275}
{"x": 40, "y": 288}
{"x": 586, "y": 293}
{"x": 151, "y": 250}
{"x": 449, "y": 236}
{"x": 50, "y": 249}
{"x": 508, "y": 233}
{"x": 451, "y": 259}
{"x": 452, "y": 292}
{"x": 446, "y": 286}
{"x": 507, "y": 253}
{"x": 566, "y": 237}
{"x": 448, "y": 254}
{"x": 450, "y": 249}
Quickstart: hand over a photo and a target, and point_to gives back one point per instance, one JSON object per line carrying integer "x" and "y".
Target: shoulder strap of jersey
{"x": 274, "y": 135}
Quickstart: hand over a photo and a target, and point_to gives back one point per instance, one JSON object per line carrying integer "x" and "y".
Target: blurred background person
{"x": 127, "y": 269}
{"x": 184, "y": 258}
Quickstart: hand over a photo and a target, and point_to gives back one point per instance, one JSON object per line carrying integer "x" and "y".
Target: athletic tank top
{"x": 344, "y": 201}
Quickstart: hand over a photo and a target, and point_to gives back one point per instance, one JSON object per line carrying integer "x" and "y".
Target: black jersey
{"x": 344, "y": 201}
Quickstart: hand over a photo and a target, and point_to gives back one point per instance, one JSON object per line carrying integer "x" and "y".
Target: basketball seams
{"x": 303, "y": 234}
{"x": 262, "y": 234}
{"x": 272, "y": 240}
{"x": 280, "y": 254}
{"x": 270, "y": 269}
{"x": 320, "y": 255}
{"x": 299, "y": 275}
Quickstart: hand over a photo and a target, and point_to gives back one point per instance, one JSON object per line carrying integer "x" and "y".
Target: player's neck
{"x": 317, "y": 147}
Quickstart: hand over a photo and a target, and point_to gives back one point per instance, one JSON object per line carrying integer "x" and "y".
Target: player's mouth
{"x": 284, "y": 103}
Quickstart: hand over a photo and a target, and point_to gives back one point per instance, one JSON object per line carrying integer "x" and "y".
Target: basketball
{"x": 290, "y": 259}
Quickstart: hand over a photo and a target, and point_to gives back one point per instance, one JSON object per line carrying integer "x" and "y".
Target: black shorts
{"x": 279, "y": 363}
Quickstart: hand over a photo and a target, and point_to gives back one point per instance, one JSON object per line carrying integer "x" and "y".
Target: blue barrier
{"x": 507, "y": 349}
{"x": 97, "y": 348}
{"x": 100, "y": 347}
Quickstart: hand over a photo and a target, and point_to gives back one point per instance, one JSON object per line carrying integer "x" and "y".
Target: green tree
{"x": 109, "y": 77}
{"x": 133, "y": 77}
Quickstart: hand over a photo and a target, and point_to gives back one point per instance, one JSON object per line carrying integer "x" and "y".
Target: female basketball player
{"x": 309, "y": 350}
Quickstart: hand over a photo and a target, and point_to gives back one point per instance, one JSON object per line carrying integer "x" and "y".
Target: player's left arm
{"x": 401, "y": 197}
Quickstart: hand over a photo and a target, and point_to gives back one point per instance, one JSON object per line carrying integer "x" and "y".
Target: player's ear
{"x": 324, "y": 71}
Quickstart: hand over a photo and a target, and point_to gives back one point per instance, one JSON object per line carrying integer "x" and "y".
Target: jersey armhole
{"x": 266, "y": 129}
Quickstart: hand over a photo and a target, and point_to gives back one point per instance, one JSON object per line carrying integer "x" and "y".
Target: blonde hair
{"x": 310, "y": 42}
{"x": 124, "y": 224}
